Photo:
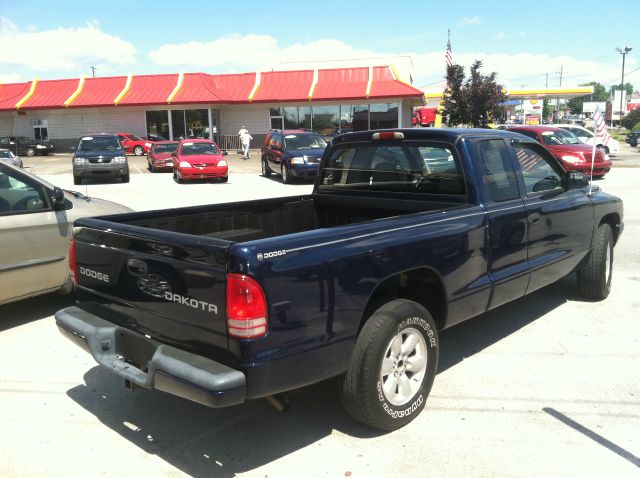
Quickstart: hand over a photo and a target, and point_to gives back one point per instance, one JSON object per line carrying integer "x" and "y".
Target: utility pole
{"x": 546, "y": 81}
{"x": 555, "y": 119}
{"x": 93, "y": 71}
{"x": 624, "y": 54}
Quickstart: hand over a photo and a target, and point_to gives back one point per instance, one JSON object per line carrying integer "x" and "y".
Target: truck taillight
{"x": 72, "y": 261}
{"x": 246, "y": 308}
{"x": 387, "y": 135}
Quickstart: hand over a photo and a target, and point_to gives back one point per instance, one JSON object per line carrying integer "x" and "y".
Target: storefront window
{"x": 290, "y": 118}
{"x": 197, "y": 122}
{"x": 158, "y": 123}
{"x": 354, "y": 118}
{"x": 384, "y": 115}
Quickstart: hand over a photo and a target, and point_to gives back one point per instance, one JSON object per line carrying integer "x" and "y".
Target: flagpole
{"x": 593, "y": 150}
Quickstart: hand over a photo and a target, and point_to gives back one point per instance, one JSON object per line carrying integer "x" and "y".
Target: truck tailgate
{"x": 169, "y": 286}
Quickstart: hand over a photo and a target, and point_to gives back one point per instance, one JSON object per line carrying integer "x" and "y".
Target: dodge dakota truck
{"x": 407, "y": 232}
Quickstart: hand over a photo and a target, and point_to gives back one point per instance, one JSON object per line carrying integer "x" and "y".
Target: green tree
{"x": 547, "y": 109}
{"x": 630, "y": 120}
{"x": 627, "y": 86}
{"x": 476, "y": 101}
{"x": 599, "y": 94}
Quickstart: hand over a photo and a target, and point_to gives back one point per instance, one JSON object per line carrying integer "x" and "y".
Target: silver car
{"x": 36, "y": 221}
{"x": 7, "y": 156}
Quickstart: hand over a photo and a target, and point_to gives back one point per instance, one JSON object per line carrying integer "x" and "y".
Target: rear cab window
{"x": 411, "y": 167}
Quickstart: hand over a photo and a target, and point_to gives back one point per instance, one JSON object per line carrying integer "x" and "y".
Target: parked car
{"x": 571, "y": 119}
{"x": 633, "y": 138}
{"x": 36, "y": 222}
{"x": 154, "y": 137}
{"x": 199, "y": 159}
{"x": 568, "y": 149}
{"x": 7, "y": 156}
{"x": 23, "y": 146}
{"x": 134, "y": 144}
{"x": 293, "y": 153}
{"x": 223, "y": 303}
{"x": 159, "y": 157}
{"x": 610, "y": 146}
{"x": 98, "y": 156}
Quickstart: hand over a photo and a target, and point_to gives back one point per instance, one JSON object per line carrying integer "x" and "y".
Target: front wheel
{"x": 125, "y": 178}
{"x": 286, "y": 176}
{"x": 138, "y": 150}
{"x": 224, "y": 179}
{"x": 30, "y": 152}
{"x": 393, "y": 366}
{"x": 594, "y": 278}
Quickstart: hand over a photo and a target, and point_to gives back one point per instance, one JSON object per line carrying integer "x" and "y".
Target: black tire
{"x": 365, "y": 393}
{"x": 224, "y": 179}
{"x": 30, "y": 152}
{"x": 138, "y": 150}
{"x": 77, "y": 179}
{"x": 594, "y": 278}
{"x": 176, "y": 177}
{"x": 266, "y": 172}
{"x": 125, "y": 178}
{"x": 152, "y": 168}
{"x": 286, "y": 176}
{"x": 633, "y": 143}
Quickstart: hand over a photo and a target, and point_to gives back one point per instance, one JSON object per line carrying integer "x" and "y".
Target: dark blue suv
{"x": 100, "y": 155}
{"x": 293, "y": 153}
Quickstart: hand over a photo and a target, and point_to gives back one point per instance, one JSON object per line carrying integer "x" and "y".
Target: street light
{"x": 624, "y": 54}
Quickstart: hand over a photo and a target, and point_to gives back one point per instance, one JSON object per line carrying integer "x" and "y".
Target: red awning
{"x": 196, "y": 88}
{"x": 234, "y": 88}
{"x": 386, "y": 85}
{"x": 99, "y": 91}
{"x": 341, "y": 84}
{"x": 51, "y": 94}
{"x": 284, "y": 86}
{"x": 10, "y": 94}
{"x": 149, "y": 90}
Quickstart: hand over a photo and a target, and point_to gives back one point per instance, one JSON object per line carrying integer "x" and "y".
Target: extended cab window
{"x": 411, "y": 167}
{"x": 499, "y": 177}
{"x": 538, "y": 169}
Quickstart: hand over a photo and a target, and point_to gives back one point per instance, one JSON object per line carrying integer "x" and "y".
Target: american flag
{"x": 600, "y": 129}
{"x": 447, "y": 53}
{"x": 528, "y": 159}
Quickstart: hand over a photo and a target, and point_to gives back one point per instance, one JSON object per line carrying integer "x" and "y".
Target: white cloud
{"x": 62, "y": 48}
{"x": 9, "y": 78}
{"x": 466, "y": 21}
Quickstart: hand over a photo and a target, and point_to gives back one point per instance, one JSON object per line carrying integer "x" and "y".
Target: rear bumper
{"x": 149, "y": 364}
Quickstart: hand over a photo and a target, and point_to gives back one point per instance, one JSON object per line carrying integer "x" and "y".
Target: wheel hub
{"x": 403, "y": 366}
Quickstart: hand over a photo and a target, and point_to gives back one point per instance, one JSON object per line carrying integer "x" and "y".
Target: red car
{"x": 568, "y": 149}
{"x": 199, "y": 159}
{"x": 159, "y": 157}
{"x": 134, "y": 144}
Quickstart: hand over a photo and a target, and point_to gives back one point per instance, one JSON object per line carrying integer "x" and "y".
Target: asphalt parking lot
{"x": 548, "y": 385}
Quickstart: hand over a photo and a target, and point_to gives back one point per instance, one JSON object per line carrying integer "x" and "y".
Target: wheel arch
{"x": 422, "y": 285}
{"x": 613, "y": 219}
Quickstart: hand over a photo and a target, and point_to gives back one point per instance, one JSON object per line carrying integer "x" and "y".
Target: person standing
{"x": 245, "y": 141}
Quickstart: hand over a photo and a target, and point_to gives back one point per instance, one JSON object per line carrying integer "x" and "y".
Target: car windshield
{"x": 165, "y": 148}
{"x": 416, "y": 168}
{"x": 6, "y": 154}
{"x": 190, "y": 149}
{"x": 98, "y": 143}
{"x": 304, "y": 141}
{"x": 559, "y": 137}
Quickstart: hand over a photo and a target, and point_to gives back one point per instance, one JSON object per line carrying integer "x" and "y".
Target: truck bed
{"x": 248, "y": 221}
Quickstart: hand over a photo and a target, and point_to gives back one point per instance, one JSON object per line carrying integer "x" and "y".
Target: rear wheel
{"x": 30, "y": 152}
{"x": 594, "y": 278}
{"x": 138, "y": 150}
{"x": 266, "y": 172}
{"x": 393, "y": 366}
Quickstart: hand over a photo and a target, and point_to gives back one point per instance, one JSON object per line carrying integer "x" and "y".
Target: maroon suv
{"x": 568, "y": 149}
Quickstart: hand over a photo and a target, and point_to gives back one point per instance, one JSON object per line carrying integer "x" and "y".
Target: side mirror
{"x": 58, "y": 197}
{"x": 174, "y": 154}
{"x": 224, "y": 152}
{"x": 577, "y": 180}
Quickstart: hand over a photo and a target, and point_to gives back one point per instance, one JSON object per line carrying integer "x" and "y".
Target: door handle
{"x": 534, "y": 218}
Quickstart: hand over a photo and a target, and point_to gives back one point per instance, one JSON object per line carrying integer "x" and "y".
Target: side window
{"x": 499, "y": 175}
{"x": 122, "y": 138}
{"x": 538, "y": 171}
{"x": 19, "y": 194}
{"x": 4, "y": 141}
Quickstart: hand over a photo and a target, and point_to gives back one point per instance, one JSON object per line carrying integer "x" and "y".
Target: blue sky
{"x": 521, "y": 41}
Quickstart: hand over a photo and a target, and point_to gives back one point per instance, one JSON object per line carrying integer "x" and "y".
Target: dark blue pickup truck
{"x": 406, "y": 233}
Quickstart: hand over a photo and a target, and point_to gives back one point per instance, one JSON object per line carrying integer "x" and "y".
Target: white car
{"x": 8, "y": 157}
{"x": 36, "y": 224}
{"x": 612, "y": 147}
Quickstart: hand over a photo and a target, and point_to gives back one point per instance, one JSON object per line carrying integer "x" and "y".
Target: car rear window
{"x": 413, "y": 167}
